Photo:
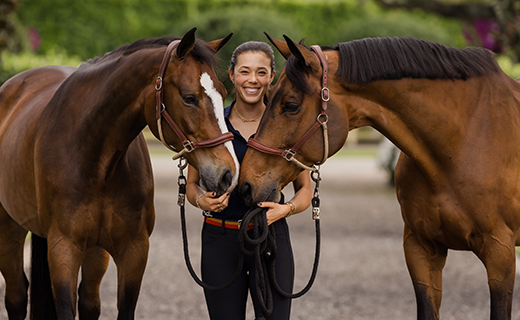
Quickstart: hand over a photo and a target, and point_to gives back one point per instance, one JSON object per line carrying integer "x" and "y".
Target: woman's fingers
{"x": 216, "y": 204}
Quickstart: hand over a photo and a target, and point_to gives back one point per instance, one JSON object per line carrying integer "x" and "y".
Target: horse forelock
{"x": 297, "y": 74}
{"x": 202, "y": 52}
{"x": 371, "y": 59}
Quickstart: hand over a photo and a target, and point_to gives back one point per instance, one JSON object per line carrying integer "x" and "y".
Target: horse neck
{"x": 101, "y": 106}
{"x": 427, "y": 119}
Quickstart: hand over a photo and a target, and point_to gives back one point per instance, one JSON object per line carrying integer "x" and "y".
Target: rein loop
{"x": 161, "y": 112}
{"x": 321, "y": 121}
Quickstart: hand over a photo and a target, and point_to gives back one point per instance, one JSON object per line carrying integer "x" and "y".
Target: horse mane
{"x": 394, "y": 58}
{"x": 201, "y": 51}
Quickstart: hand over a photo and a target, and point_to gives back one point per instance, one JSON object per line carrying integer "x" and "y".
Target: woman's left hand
{"x": 275, "y": 211}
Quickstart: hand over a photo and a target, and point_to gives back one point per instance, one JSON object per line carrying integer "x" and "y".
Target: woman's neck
{"x": 249, "y": 112}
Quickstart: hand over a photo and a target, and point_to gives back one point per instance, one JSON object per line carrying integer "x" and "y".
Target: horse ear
{"x": 187, "y": 43}
{"x": 218, "y": 44}
{"x": 280, "y": 45}
{"x": 297, "y": 50}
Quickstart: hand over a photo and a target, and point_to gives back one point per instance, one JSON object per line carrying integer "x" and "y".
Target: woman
{"x": 251, "y": 71}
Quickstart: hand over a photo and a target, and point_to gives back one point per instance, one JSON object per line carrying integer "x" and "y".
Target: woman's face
{"x": 252, "y": 76}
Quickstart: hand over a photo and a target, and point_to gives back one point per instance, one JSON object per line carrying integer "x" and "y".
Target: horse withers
{"x": 76, "y": 170}
{"x": 454, "y": 114}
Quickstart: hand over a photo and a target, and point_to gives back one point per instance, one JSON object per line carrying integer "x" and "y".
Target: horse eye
{"x": 190, "y": 99}
{"x": 290, "y": 107}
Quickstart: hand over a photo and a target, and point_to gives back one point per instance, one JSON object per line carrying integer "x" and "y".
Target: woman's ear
{"x": 272, "y": 76}
{"x": 231, "y": 75}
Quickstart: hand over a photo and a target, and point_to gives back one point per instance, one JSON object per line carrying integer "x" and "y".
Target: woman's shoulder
{"x": 227, "y": 110}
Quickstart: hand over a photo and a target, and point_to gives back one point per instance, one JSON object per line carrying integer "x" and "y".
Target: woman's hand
{"x": 208, "y": 202}
{"x": 275, "y": 211}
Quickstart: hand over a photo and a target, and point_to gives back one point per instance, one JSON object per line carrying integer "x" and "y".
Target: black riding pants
{"x": 220, "y": 254}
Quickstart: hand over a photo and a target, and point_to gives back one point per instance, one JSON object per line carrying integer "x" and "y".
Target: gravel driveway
{"x": 362, "y": 272}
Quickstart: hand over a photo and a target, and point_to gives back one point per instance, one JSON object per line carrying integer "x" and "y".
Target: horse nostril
{"x": 225, "y": 180}
{"x": 247, "y": 193}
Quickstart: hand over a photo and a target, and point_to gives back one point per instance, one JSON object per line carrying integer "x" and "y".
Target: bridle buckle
{"x": 158, "y": 83}
{"x": 289, "y": 154}
{"x": 325, "y": 94}
{"x": 188, "y": 145}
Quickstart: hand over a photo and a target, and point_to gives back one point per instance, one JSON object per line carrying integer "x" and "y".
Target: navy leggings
{"x": 220, "y": 255}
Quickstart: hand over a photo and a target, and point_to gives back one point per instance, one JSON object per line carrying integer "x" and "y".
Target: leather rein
{"x": 161, "y": 112}
{"x": 321, "y": 121}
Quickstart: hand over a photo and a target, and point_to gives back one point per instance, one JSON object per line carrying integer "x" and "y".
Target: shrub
{"x": 13, "y": 64}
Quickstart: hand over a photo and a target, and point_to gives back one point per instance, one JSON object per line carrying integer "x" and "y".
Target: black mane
{"x": 371, "y": 59}
{"x": 201, "y": 51}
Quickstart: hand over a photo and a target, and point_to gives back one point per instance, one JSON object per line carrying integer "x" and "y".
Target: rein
{"x": 263, "y": 244}
{"x": 160, "y": 112}
{"x": 321, "y": 121}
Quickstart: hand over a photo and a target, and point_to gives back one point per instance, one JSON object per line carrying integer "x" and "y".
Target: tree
{"x": 495, "y": 24}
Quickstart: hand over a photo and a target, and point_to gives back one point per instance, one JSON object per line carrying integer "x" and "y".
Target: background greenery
{"x": 71, "y": 31}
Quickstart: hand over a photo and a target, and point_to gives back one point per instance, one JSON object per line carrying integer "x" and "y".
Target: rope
{"x": 262, "y": 240}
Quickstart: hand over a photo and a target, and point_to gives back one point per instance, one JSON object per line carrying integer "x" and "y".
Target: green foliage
{"x": 93, "y": 27}
{"x": 509, "y": 67}
{"x": 400, "y": 24}
{"x": 90, "y": 28}
{"x": 246, "y": 24}
{"x": 13, "y": 64}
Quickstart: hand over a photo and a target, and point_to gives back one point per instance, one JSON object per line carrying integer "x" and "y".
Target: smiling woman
{"x": 252, "y": 71}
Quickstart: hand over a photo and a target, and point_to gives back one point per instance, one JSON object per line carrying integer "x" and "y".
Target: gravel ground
{"x": 362, "y": 272}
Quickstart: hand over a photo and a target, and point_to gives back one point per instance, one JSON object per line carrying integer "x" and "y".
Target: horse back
{"x": 18, "y": 91}
{"x": 22, "y": 100}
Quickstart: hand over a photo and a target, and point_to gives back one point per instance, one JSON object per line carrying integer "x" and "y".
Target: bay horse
{"x": 76, "y": 171}
{"x": 454, "y": 114}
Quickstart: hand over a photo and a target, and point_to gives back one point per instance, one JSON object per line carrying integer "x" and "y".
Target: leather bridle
{"x": 321, "y": 121}
{"x": 161, "y": 112}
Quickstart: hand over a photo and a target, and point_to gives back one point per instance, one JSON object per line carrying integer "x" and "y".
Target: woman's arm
{"x": 301, "y": 200}
{"x": 200, "y": 199}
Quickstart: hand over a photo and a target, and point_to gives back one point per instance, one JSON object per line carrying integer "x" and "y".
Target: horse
{"x": 454, "y": 114}
{"x": 76, "y": 171}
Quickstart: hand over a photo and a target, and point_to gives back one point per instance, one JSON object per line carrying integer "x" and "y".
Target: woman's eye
{"x": 290, "y": 107}
{"x": 191, "y": 99}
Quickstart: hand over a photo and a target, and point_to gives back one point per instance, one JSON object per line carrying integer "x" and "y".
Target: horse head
{"x": 296, "y": 103}
{"x": 185, "y": 111}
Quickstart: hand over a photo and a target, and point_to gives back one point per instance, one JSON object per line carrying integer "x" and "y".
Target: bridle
{"x": 160, "y": 112}
{"x": 321, "y": 121}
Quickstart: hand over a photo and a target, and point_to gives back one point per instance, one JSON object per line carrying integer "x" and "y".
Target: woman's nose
{"x": 252, "y": 78}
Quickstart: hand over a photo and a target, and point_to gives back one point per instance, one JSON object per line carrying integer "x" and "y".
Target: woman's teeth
{"x": 251, "y": 90}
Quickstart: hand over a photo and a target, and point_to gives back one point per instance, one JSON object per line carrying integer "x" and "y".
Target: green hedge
{"x": 13, "y": 64}
{"x": 506, "y": 63}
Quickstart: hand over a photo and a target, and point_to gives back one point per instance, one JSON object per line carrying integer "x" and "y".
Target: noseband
{"x": 160, "y": 111}
{"x": 321, "y": 121}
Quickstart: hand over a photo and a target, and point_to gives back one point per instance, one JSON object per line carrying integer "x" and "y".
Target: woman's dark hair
{"x": 252, "y": 46}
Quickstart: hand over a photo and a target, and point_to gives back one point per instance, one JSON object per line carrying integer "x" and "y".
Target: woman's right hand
{"x": 208, "y": 202}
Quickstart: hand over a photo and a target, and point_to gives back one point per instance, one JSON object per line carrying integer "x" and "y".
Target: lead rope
{"x": 263, "y": 243}
{"x": 181, "y": 203}
{"x": 265, "y": 251}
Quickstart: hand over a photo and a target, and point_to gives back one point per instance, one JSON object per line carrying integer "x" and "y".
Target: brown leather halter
{"x": 189, "y": 146}
{"x": 289, "y": 154}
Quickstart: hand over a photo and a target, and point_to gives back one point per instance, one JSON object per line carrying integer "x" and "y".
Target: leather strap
{"x": 325, "y": 97}
{"x": 160, "y": 110}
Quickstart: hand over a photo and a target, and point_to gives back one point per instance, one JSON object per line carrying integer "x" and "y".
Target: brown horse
{"x": 455, "y": 115}
{"x": 75, "y": 168}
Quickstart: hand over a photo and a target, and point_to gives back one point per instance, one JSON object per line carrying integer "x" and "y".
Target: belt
{"x": 227, "y": 224}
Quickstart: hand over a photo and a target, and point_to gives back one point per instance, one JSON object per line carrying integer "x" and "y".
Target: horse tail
{"x": 42, "y": 301}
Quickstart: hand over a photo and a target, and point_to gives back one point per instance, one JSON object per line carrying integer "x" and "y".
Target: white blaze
{"x": 218, "y": 105}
